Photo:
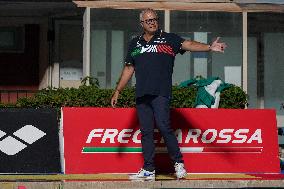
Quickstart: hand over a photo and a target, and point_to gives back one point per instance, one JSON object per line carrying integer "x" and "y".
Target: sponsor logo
{"x": 166, "y": 49}
{"x": 191, "y": 136}
{"x": 160, "y": 40}
{"x": 20, "y": 140}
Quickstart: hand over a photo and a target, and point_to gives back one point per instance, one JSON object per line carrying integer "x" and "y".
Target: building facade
{"x": 66, "y": 41}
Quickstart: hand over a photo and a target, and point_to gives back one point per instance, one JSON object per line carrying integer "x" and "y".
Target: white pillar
{"x": 245, "y": 52}
{"x": 167, "y": 20}
{"x": 86, "y": 42}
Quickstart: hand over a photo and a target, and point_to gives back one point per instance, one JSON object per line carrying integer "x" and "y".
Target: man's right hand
{"x": 114, "y": 98}
{"x": 126, "y": 74}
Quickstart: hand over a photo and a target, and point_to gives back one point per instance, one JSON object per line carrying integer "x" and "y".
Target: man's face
{"x": 149, "y": 22}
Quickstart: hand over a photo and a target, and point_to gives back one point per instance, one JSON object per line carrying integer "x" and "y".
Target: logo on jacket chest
{"x": 160, "y": 40}
{"x": 159, "y": 47}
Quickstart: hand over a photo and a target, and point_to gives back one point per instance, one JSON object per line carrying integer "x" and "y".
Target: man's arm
{"x": 216, "y": 46}
{"x": 126, "y": 74}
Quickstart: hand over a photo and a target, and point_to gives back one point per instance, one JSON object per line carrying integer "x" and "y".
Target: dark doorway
{"x": 19, "y": 64}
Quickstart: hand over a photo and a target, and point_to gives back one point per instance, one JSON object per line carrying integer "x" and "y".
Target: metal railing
{"x": 11, "y": 96}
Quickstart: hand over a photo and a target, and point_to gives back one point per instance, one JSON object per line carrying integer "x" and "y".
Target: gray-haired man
{"x": 151, "y": 55}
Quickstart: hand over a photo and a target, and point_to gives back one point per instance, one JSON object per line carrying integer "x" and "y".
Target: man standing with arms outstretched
{"x": 151, "y": 55}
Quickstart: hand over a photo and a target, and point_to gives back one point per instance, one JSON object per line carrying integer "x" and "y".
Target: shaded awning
{"x": 188, "y": 5}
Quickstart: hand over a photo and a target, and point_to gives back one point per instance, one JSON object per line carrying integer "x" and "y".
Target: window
{"x": 205, "y": 27}
{"x": 11, "y": 39}
{"x": 266, "y": 68}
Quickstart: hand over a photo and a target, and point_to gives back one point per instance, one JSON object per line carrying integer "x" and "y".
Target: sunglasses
{"x": 150, "y": 21}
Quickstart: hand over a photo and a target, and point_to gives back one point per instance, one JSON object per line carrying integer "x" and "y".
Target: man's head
{"x": 149, "y": 21}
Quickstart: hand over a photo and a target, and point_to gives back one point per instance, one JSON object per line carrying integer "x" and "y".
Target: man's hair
{"x": 145, "y": 11}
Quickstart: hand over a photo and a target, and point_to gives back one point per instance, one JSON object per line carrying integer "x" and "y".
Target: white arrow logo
{"x": 12, "y": 146}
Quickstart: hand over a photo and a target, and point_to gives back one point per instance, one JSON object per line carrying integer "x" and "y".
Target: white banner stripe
{"x": 200, "y": 150}
{"x": 182, "y": 149}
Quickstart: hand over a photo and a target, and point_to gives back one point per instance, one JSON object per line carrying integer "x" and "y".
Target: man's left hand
{"x": 217, "y": 46}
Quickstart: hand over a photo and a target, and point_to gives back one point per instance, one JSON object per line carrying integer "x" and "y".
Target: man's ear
{"x": 141, "y": 25}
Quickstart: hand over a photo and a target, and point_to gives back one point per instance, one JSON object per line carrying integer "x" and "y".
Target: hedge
{"x": 93, "y": 96}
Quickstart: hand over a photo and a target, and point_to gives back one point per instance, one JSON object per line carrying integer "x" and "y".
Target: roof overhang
{"x": 189, "y": 5}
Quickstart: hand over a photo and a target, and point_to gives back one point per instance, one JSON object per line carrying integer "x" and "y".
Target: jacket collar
{"x": 159, "y": 32}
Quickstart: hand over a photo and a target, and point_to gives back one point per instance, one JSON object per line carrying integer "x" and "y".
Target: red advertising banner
{"x": 107, "y": 140}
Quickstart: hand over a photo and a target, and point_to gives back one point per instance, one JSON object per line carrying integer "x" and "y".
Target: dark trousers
{"x": 152, "y": 108}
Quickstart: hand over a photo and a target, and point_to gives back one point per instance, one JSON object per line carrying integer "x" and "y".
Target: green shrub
{"x": 92, "y": 96}
{"x": 233, "y": 97}
{"x": 183, "y": 97}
